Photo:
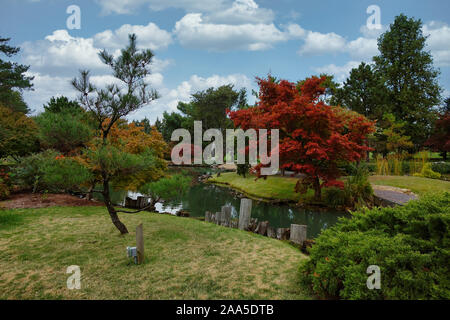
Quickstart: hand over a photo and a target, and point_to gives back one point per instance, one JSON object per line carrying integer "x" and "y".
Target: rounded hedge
{"x": 410, "y": 244}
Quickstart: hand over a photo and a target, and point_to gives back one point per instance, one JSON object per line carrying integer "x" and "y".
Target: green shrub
{"x": 243, "y": 169}
{"x": 357, "y": 191}
{"x": 371, "y": 167}
{"x": 64, "y": 131}
{"x": 441, "y": 167}
{"x": 427, "y": 172}
{"x": 4, "y": 190}
{"x": 410, "y": 244}
{"x": 335, "y": 197}
{"x": 50, "y": 171}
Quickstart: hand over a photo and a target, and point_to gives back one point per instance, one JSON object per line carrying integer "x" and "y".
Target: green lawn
{"x": 417, "y": 185}
{"x": 273, "y": 188}
{"x": 185, "y": 258}
{"x": 276, "y": 187}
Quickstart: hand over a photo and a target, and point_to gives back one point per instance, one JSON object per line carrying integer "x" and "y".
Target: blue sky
{"x": 204, "y": 43}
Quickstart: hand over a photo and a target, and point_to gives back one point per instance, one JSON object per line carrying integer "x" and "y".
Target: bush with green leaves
{"x": 243, "y": 169}
{"x": 167, "y": 188}
{"x": 50, "y": 171}
{"x": 64, "y": 131}
{"x": 441, "y": 167}
{"x": 4, "y": 190}
{"x": 410, "y": 244}
{"x": 427, "y": 172}
{"x": 357, "y": 191}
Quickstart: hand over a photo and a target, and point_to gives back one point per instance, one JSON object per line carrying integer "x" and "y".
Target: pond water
{"x": 204, "y": 197}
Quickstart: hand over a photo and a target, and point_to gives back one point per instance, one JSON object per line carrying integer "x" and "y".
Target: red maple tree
{"x": 440, "y": 139}
{"x": 314, "y": 137}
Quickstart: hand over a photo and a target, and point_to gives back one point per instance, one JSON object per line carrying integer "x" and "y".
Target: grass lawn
{"x": 273, "y": 188}
{"x": 277, "y": 187}
{"x": 185, "y": 258}
{"x": 418, "y": 185}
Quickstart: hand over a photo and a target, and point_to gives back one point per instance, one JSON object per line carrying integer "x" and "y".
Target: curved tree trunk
{"x": 112, "y": 211}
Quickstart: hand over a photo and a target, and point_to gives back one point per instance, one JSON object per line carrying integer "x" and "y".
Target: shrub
{"x": 441, "y": 167}
{"x": 427, "y": 172}
{"x": 243, "y": 169}
{"x": 410, "y": 244}
{"x": 50, "y": 171}
{"x": 357, "y": 191}
{"x": 64, "y": 131}
{"x": 335, "y": 197}
{"x": 4, "y": 190}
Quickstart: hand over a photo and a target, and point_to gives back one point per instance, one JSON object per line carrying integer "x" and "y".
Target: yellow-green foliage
{"x": 427, "y": 172}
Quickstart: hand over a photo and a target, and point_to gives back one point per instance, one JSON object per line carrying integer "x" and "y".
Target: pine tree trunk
{"x": 112, "y": 211}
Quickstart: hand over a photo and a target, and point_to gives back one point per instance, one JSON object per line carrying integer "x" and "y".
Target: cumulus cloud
{"x": 149, "y": 36}
{"x": 438, "y": 42}
{"x": 340, "y": 72}
{"x": 170, "y": 97}
{"x": 322, "y": 43}
{"x": 193, "y": 32}
{"x": 240, "y": 12}
{"x": 61, "y": 50}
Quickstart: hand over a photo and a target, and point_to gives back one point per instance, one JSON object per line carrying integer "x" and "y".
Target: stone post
{"x": 245, "y": 212}
{"x": 298, "y": 233}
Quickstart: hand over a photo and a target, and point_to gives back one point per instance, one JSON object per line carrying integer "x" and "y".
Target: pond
{"x": 204, "y": 197}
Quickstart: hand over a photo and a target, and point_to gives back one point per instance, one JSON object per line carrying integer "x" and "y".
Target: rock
{"x": 183, "y": 213}
{"x": 262, "y": 228}
{"x": 283, "y": 233}
{"x": 271, "y": 232}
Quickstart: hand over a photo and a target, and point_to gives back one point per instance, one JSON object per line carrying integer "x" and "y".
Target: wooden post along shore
{"x": 245, "y": 212}
{"x": 298, "y": 233}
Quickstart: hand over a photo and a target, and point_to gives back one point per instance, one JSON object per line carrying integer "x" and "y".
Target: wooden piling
{"x": 245, "y": 212}
{"x": 298, "y": 233}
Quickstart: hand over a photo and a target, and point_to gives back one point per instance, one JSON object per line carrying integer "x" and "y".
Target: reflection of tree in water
{"x": 207, "y": 197}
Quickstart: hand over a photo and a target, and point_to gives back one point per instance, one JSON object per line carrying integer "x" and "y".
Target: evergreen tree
{"x": 409, "y": 76}
{"x": 13, "y": 79}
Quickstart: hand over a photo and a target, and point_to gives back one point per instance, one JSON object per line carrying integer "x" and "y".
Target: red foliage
{"x": 314, "y": 137}
{"x": 440, "y": 139}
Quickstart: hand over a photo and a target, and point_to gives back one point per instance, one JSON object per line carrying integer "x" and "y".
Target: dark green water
{"x": 207, "y": 197}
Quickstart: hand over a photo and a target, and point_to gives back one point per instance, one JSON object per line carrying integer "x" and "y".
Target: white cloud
{"x": 170, "y": 97}
{"x": 340, "y": 72}
{"x": 45, "y": 87}
{"x": 362, "y": 48}
{"x": 61, "y": 50}
{"x": 193, "y": 32}
{"x": 438, "y": 42}
{"x": 242, "y": 11}
{"x": 149, "y": 36}
{"x": 322, "y": 43}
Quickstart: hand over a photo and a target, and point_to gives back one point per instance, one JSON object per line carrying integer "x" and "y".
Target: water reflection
{"x": 206, "y": 197}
